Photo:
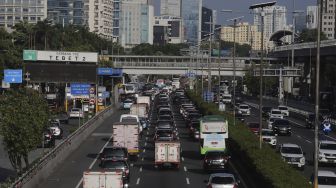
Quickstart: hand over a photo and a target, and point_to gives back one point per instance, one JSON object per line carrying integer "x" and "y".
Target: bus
{"x": 213, "y": 133}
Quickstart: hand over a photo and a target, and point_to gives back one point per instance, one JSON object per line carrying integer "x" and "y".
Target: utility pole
{"x": 209, "y": 58}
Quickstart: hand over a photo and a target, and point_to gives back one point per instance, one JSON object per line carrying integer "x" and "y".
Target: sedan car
{"x": 214, "y": 160}
{"x": 269, "y": 137}
{"x": 327, "y": 152}
{"x": 254, "y": 127}
{"x": 275, "y": 113}
{"x": 222, "y": 180}
{"x": 293, "y": 155}
{"x": 113, "y": 153}
{"x": 76, "y": 113}
{"x": 326, "y": 179}
{"x": 284, "y": 110}
{"x": 282, "y": 126}
{"x": 127, "y": 103}
{"x": 266, "y": 111}
{"x": 56, "y": 130}
{"x": 244, "y": 109}
{"x": 112, "y": 165}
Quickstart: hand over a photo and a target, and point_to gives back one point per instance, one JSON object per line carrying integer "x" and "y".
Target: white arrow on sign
{"x": 13, "y": 79}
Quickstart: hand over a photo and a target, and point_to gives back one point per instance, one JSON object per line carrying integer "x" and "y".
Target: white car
{"x": 222, "y": 180}
{"x": 244, "y": 109}
{"x": 293, "y": 155}
{"x": 56, "y": 130}
{"x": 76, "y": 113}
{"x": 284, "y": 110}
{"x": 276, "y": 113}
{"x": 127, "y": 104}
{"x": 327, "y": 152}
{"x": 270, "y": 122}
{"x": 269, "y": 137}
{"x": 326, "y": 179}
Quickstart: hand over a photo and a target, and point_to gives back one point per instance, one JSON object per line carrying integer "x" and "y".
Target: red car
{"x": 254, "y": 127}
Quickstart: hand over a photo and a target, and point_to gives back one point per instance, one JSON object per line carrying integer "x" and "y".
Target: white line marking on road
{"x": 185, "y": 169}
{"x": 308, "y": 141}
{"x": 187, "y": 179}
{"x": 132, "y": 164}
{"x": 298, "y": 136}
{"x": 147, "y": 133}
{"x": 142, "y": 159}
{"x": 93, "y": 162}
{"x": 144, "y": 150}
{"x": 138, "y": 181}
{"x": 146, "y": 138}
{"x": 145, "y": 143}
{"x": 140, "y": 169}
{"x": 182, "y": 158}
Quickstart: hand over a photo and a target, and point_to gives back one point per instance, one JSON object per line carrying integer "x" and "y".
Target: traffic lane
{"x": 70, "y": 172}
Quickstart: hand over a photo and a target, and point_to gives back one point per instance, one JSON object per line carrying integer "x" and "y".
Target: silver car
{"x": 222, "y": 180}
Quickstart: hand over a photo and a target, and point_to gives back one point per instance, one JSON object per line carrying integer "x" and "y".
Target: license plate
{"x": 214, "y": 143}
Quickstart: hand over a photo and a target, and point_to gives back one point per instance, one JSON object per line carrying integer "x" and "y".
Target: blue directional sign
{"x": 208, "y": 96}
{"x": 106, "y": 94}
{"x": 105, "y": 71}
{"x": 80, "y": 89}
{"x": 117, "y": 72}
{"x": 13, "y": 76}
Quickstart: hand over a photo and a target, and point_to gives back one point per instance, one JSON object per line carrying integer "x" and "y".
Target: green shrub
{"x": 265, "y": 165}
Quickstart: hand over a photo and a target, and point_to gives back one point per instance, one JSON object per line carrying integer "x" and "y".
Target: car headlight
{"x": 302, "y": 160}
{"x": 321, "y": 154}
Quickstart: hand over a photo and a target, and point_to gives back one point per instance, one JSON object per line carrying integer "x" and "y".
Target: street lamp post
{"x": 317, "y": 93}
{"x": 261, "y": 6}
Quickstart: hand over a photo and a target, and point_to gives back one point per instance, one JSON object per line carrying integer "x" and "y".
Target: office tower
{"x": 171, "y": 8}
{"x": 136, "y": 23}
{"x": 167, "y": 29}
{"x": 328, "y": 18}
{"x": 191, "y": 15}
{"x": 14, "y": 11}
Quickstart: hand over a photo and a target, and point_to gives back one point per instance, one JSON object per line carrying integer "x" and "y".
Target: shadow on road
{"x": 92, "y": 155}
{"x": 194, "y": 155}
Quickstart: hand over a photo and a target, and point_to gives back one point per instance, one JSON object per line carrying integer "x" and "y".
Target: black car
{"x": 282, "y": 126}
{"x": 214, "y": 160}
{"x": 310, "y": 119}
{"x": 239, "y": 116}
{"x": 114, "y": 165}
{"x": 113, "y": 153}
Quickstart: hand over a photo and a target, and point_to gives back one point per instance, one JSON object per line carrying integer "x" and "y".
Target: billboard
{"x": 61, "y": 72}
{"x": 60, "y": 56}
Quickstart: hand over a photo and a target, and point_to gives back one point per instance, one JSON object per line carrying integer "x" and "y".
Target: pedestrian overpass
{"x": 180, "y": 65}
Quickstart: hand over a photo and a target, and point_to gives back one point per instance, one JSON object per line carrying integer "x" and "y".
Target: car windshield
{"x": 164, "y": 118}
{"x": 283, "y": 108}
{"x": 114, "y": 152}
{"x": 128, "y": 101}
{"x": 326, "y": 180}
{"x": 75, "y": 110}
{"x": 253, "y": 125}
{"x": 328, "y": 146}
{"x": 129, "y": 87}
{"x": 114, "y": 164}
{"x": 267, "y": 133}
{"x": 276, "y": 112}
{"x": 243, "y": 107}
{"x": 281, "y": 122}
{"x": 292, "y": 150}
{"x": 226, "y": 97}
{"x": 222, "y": 180}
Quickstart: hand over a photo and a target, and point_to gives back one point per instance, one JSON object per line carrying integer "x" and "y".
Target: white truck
{"x": 103, "y": 179}
{"x": 126, "y": 134}
{"x": 167, "y": 152}
{"x": 176, "y": 85}
{"x": 144, "y": 99}
{"x": 226, "y": 98}
{"x": 142, "y": 111}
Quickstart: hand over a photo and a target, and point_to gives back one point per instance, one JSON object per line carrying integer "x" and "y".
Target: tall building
{"x": 136, "y": 23}
{"x": 167, "y": 29}
{"x": 170, "y": 8}
{"x": 328, "y": 18}
{"x": 274, "y": 20}
{"x": 191, "y": 15}
{"x": 12, "y": 12}
{"x": 116, "y": 20}
{"x": 208, "y": 16}
{"x": 245, "y": 34}
{"x": 311, "y": 17}
{"x": 96, "y": 15}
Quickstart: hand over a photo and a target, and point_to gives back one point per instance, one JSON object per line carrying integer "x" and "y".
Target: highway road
{"x": 143, "y": 173}
{"x": 300, "y": 135}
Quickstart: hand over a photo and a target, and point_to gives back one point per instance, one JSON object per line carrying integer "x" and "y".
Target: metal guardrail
{"x": 28, "y": 175}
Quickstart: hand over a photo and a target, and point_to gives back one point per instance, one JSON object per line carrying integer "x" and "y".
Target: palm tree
{"x": 44, "y": 28}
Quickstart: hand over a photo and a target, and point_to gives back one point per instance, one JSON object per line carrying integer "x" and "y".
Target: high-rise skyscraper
{"x": 171, "y": 8}
{"x": 191, "y": 15}
{"x": 96, "y": 15}
{"x": 167, "y": 29}
{"x": 328, "y": 18}
{"x": 136, "y": 23}
{"x": 311, "y": 17}
{"x": 12, "y": 12}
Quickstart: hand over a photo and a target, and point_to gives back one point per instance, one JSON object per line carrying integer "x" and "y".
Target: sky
{"x": 241, "y": 8}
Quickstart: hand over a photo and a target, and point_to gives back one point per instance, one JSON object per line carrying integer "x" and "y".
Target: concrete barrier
{"x": 41, "y": 170}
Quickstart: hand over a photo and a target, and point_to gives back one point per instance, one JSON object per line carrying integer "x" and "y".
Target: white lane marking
{"x": 144, "y": 150}
{"x": 146, "y": 138}
{"x": 142, "y": 159}
{"x": 298, "y": 136}
{"x": 308, "y": 141}
{"x": 138, "y": 181}
{"x": 145, "y": 143}
{"x": 147, "y": 133}
{"x": 132, "y": 164}
{"x": 140, "y": 169}
{"x": 182, "y": 158}
{"x": 185, "y": 169}
{"x": 187, "y": 179}
{"x": 93, "y": 162}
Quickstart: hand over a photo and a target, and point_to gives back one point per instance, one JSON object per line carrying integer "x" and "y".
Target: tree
{"x": 23, "y": 116}
{"x": 310, "y": 35}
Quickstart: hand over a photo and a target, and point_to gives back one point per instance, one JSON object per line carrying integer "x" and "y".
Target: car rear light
{"x": 127, "y": 171}
{"x": 209, "y": 186}
{"x": 235, "y": 185}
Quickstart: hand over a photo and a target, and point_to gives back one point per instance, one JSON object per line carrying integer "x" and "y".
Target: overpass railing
{"x": 324, "y": 43}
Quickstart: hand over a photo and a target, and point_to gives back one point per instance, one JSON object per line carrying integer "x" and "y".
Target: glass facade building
{"x": 191, "y": 15}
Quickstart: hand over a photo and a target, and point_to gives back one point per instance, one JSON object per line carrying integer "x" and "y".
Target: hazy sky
{"x": 241, "y": 7}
